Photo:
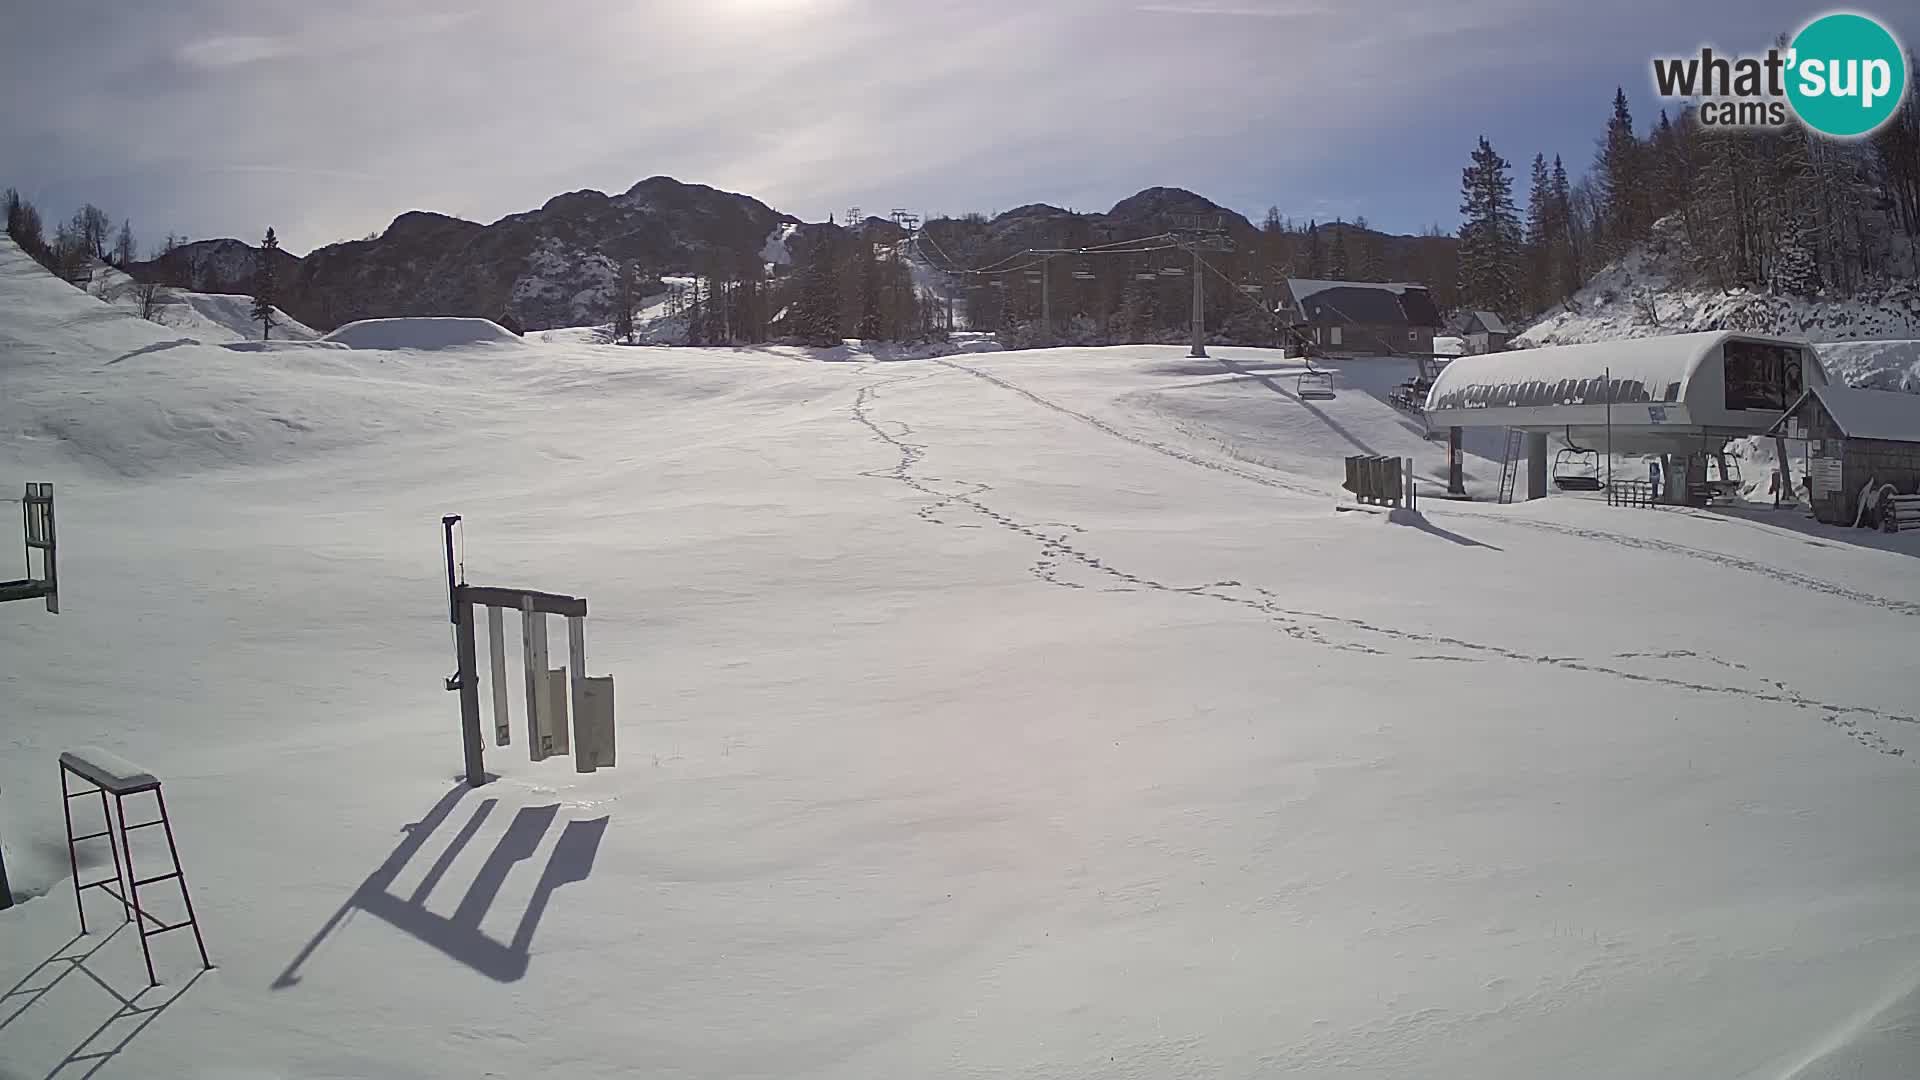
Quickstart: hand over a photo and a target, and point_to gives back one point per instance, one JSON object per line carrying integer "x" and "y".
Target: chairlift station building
{"x": 1682, "y": 394}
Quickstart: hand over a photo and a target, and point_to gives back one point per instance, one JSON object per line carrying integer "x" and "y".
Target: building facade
{"x": 1361, "y": 318}
{"x": 1855, "y": 440}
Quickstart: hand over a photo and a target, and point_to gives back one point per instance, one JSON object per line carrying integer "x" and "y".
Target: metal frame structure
{"x": 547, "y": 699}
{"x": 37, "y": 520}
{"x": 114, "y": 830}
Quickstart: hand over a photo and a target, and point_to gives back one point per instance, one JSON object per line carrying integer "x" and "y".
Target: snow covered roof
{"x": 1305, "y": 287}
{"x": 1868, "y": 414}
{"x": 1381, "y": 302}
{"x": 1490, "y": 322}
{"x": 1660, "y": 366}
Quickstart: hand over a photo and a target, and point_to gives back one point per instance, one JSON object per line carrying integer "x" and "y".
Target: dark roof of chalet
{"x": 1379, "y": 303}
{"x": 1887, "y": 415}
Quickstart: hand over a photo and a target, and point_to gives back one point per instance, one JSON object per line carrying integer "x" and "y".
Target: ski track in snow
{"x": 1158, "y": 448}
{"x": 1733, "y": 562}
{"x": 1059, "y": 554}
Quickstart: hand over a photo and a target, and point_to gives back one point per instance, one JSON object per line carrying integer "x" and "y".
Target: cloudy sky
{"x": 327, "y": 119}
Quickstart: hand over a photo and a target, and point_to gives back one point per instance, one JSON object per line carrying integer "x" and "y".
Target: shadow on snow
{"x": 459, "y": 936}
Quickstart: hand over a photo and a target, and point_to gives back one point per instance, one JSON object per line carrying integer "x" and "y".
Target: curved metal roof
{"x": 1655, "y": 369}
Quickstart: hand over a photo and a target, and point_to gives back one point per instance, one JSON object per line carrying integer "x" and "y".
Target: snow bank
{"x": 283, "y": 346}
{"x": 235, "y": 314}
{"x": 1639, "y": 296}
{"x": 210, "y": 317}
{"x": 1880, "y": 365}
{"x": 422, "y": 333}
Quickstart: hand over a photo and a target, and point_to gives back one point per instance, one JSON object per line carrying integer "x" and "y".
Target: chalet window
{"x": 1336, "y": 335}
{"x": 1413, "y": 335}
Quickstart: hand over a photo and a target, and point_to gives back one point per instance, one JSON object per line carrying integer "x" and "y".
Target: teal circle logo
{"x": 1846, "y": 74}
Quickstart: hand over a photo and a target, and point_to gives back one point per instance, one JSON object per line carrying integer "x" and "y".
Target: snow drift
{"x": 422, "y": 333}
{"x": 215, "y": 318}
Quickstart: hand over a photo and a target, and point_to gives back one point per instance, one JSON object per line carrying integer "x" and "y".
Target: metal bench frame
{"x": 124, "y": 885}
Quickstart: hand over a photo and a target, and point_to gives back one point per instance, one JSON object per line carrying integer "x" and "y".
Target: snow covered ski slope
{"x": 1016, "y": 714}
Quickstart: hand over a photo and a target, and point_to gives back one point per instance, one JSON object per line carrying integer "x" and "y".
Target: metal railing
{"x": 1634, "y": 493}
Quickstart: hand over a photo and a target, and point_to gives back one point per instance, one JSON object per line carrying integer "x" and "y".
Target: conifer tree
{"x": 869, "y": 328}
{"x": 624, "y": 301}
{"x": 1490, "y": 237}
{"x": 265, "y": 288}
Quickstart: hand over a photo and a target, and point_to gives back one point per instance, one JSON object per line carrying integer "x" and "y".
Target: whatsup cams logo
{"x": 1842, "y": 75}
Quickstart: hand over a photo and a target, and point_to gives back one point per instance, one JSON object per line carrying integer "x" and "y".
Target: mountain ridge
{"x": 558, "y": 264}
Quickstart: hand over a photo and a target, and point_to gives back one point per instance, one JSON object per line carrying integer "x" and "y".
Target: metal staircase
{"x": 1510, "y": 464}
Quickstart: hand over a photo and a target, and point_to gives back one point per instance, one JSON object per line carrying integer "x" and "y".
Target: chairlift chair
{"x": 1173, "y": 271}
{"x": 1729, "y": 483}
{"x": 1145, "y": 275}
{"x": 1314, "y": 384}
{"x": 1577, "y": 469}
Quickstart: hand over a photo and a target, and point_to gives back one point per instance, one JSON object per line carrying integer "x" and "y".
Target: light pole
{"x": 1046, "y": 303}
{"x": 1199, "y": 309}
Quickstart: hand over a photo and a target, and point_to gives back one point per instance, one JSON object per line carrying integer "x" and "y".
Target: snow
{"x": 1637, "y": 296}
{"x": 276, "y": 345}
{"x": 1305, "y": 287}
{"x": 110, "y": 771}
{"x": 775, "y": 251}
{"x": 1881, "y": 365}
{"x": 422, "y": 333}
{"x": 1656, "y": 363}
{"x": 1872, "y": 414}
{"x": 214, "y": 318}
{"x": 1450, "y": 346}
{"x": 1020, "y": 713}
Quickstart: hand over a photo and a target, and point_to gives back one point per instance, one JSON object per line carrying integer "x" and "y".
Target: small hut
{"x": 1855, "y": 439}
{"x": 1484, "y": 332}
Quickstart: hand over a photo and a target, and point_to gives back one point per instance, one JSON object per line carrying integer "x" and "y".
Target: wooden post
{"x": 556, "y": 717}
{"x": 497, "y": 653}
{"x": 533, "y": 639}
{"x": 576, "y": 666}
{"x": 1456, "y": 483}
{"x": 475, "y": 742}
{"x": 593, "y": 726}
